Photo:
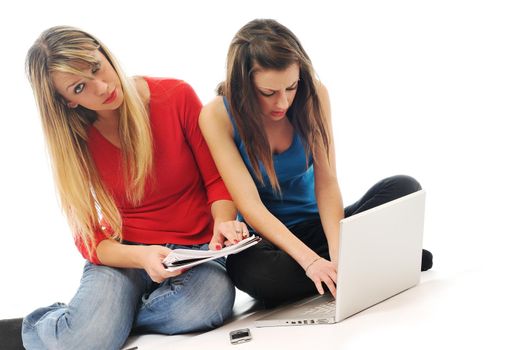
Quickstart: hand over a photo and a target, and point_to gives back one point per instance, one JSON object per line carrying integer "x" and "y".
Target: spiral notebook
{"x": 181, "y": 258}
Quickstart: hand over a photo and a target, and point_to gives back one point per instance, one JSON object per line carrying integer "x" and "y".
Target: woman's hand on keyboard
{"x": 323, "y": 271}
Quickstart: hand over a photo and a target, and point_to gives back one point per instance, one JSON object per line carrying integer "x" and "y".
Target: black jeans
{"x": 265, "y": 272}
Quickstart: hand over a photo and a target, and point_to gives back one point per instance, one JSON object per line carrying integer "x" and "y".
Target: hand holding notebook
{"x": 184, "y": 258}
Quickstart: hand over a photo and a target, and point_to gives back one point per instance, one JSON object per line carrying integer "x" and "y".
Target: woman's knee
{"x": 218, "y": 293}
{"x": 403, "y": 185}
{"x": 249, "y": 274}
{"x": 201, "y": 299}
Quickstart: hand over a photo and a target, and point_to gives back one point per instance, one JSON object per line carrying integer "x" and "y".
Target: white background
{"x": 433, "y": 89}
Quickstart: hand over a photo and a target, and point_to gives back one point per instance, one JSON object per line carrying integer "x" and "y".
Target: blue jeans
{"x": 112, "y": 302}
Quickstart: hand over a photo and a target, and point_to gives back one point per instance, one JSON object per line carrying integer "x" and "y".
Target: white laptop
{"x": 379, "y": 256}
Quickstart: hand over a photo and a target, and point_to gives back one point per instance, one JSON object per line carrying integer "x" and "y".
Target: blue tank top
{"x": 297, "y": 202}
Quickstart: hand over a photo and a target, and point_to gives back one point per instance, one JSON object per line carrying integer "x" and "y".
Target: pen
{"x": 134, "y": 348}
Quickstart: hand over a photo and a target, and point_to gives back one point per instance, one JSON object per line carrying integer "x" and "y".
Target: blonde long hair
{"x": 270, "y": 45}
{"x": 83, "y": 196}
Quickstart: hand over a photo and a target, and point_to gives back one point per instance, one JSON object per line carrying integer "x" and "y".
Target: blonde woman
{"x": 269, "y": 132}
{"x": 135, "y": 179}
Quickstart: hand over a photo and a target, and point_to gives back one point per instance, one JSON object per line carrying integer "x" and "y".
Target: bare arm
{"x": 327, "y": 191}
{"x": 217, "y": 130}
{"x": 147, "y": 257}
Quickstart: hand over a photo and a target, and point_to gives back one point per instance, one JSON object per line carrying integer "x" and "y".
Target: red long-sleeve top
{"x": 184, "y": 181}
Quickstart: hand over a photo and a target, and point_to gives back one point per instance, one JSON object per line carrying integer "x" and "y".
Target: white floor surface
{"x": 483, "y": 307}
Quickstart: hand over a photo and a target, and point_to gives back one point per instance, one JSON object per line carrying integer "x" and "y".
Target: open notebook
{"x": 181, "y": 258}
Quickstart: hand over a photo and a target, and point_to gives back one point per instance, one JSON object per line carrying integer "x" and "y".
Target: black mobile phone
{"x": 240, "y": 336}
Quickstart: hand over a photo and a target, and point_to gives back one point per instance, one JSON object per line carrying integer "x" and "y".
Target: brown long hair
{"x": 270, "y": 45}
{"x": 83, "y": 196}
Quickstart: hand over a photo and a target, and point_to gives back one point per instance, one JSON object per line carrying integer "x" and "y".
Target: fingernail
{"x": 218, "y": 246}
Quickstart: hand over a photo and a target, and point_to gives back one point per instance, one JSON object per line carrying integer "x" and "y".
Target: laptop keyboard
{"x": 321, "y": 309}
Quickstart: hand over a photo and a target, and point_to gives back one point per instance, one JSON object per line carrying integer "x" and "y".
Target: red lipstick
{"x": 111, "y": 98}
